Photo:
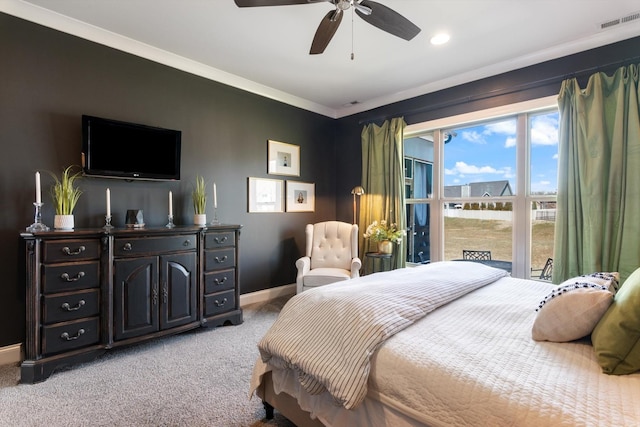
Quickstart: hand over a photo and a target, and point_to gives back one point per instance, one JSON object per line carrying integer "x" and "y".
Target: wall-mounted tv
{"x": 116, "y": 149}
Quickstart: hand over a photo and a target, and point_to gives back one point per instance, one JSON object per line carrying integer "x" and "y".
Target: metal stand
{"x": 107, "y": 220}
{"x": 170, "y": 224}
{"x": 37, "y": 220}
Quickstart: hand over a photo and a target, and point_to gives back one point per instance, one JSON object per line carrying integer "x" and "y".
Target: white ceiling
{"x": 265, "y": 49}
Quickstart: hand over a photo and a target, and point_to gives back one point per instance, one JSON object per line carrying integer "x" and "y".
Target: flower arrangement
{"x": 379, "y": 231}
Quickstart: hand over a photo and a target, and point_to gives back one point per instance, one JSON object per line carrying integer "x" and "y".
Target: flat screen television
{"x": 116, "y": 149}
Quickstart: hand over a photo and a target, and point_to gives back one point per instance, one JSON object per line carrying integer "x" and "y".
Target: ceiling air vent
{"x": 623, "y": 20}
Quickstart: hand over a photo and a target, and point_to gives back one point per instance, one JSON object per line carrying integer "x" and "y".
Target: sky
{"x": 487, "y": 152}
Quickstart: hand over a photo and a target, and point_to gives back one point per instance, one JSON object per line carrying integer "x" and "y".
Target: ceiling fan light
{"x": 439, "y": 39}
{"x": 343, "y": 4}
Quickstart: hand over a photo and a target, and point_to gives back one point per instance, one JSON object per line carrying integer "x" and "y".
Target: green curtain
{"x": 383, "y": 181}
{"x": 598, "y": 209}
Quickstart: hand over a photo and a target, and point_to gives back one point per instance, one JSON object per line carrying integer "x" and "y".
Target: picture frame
{"x": 301, "y": 196}
{"x": 265, "y": 195}
{"x": 283, "y": 159}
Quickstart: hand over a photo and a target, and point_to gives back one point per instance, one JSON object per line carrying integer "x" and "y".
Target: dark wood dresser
{"x": 91, "y": 290}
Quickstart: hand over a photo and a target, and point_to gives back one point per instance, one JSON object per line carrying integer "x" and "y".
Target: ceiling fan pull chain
{"x": 352, "y": 32}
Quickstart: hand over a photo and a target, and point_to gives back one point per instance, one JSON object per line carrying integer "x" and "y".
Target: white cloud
{"x": 544, "y": 130}
{"x": 461, "y": 169}
{"x": 474, "y": 137}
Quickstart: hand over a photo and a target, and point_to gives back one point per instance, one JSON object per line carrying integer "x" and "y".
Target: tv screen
{"x": 116, "y": 149}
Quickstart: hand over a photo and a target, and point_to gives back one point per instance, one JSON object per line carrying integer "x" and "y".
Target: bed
{"x": 457, "y": 356}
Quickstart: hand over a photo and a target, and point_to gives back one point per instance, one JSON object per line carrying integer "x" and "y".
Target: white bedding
{"x": 473, "y": 362}
{"x": 328, "y": 335}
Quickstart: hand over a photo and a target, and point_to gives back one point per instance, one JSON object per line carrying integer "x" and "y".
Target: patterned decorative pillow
{"x": 573, "y": 309}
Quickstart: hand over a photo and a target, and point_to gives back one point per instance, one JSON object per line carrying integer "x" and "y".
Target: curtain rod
{"x": 503, "y": 91}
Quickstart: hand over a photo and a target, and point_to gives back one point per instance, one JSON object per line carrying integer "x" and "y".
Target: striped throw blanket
{"x": 328, "y": 334}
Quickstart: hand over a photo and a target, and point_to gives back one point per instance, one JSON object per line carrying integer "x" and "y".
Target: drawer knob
{"x": 221, "y": 260}
{"x": 186, "y": 243}
{"x": 127, "y": 247}
{"x": 220, "y": 303}
{"x": 66, "y": 306}
{"x": 220, "y": 281}
{"x": 67, "y": 278}
{"x": 68, "y": 251}
{"x": 67, "y": 337}
{"x": 220, "y": 240}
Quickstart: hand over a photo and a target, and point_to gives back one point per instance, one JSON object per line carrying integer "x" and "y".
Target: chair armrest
{"x": 356, "y": 265}
{"x": 303, "y": 265}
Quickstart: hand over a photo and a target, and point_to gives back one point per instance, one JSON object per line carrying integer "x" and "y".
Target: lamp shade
{"x": 357, "y": 191}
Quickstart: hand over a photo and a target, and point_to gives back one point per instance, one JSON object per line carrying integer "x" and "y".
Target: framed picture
{"x": 301, "y": 196}
{"x": 266, "y": 195}
{"x": 284, "y": 159}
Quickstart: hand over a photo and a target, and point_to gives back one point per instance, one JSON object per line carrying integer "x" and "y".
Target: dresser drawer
{"x": 70, "y": 306}
{"x": 70, "y": 250}
{"x": 218, "y": 259}
{"x": 149, "y": 245}
{"x": 71, "y": 276}
{"x": 219, "y": 303}
{"x": 219, "y": 281}
{"x": 219, "y": 240}
{"x": 69, "y": 335}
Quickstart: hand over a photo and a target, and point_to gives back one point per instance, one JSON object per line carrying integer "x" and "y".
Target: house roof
{"x": 479, "y": 189}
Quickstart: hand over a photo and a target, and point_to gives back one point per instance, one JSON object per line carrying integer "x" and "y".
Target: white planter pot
{"x": 200, "y": 219}
{"x": 63, "y": 222}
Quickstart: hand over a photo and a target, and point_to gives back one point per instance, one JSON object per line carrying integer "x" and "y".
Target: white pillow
{"x": 572, "y": 310}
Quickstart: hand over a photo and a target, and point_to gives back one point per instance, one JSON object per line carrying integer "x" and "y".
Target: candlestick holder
{"x": 107, "y": 222}
{"x": 170, "y": 224}
{"x": 215, "y": 217}
{"x": 37, "y": 220}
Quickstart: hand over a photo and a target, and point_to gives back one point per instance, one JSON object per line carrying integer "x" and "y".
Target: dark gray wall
{"x": 49, "y": 79}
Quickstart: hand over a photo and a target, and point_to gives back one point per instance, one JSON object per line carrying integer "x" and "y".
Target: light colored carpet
{"x": 199, "y": 378}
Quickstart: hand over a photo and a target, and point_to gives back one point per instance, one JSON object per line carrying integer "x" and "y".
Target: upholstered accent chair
{"x": 331, "y": 255}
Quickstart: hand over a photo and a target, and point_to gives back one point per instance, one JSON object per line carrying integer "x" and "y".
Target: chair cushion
{"x": 332, "y": 246}
{"x": 324, "y": 276}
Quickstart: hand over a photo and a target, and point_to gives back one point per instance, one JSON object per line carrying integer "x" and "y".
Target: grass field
{"x": 494, "y": 235}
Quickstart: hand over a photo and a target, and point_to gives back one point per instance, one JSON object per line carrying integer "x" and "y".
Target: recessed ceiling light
{"x": 441, "y": 38}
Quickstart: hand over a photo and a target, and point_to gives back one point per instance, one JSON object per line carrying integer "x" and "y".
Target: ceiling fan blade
{"x": 325, "y": 31}
{"x": 388, "y": 20}
{"x": 255, "y": 3}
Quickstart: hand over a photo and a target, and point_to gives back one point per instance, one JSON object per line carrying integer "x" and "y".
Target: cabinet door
{"x": 178, "y": 305}
{"x": 135, "y": 297}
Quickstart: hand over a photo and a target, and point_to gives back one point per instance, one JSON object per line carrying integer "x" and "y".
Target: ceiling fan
{"x": 372, "y": 12}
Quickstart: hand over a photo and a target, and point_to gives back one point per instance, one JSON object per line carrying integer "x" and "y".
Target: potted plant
{"x": 65, "y": 195}
{"x": 199, "y": 197}
{"x": 384, "y": 234}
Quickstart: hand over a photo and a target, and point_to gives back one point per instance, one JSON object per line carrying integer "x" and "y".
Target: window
{"x": 484, "y": 181}
{"x": 418, "y": 181}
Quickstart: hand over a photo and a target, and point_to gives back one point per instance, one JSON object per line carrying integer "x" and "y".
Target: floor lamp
{"x": 357, "y": 191}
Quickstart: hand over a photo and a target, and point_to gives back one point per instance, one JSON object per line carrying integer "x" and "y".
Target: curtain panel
{"x": 383, "y": 180}
{"x": 598, "y": 221}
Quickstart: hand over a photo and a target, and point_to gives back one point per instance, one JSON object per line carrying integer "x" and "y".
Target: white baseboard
{"x": 267, "y": 294}
{"x": 11, "y": 354}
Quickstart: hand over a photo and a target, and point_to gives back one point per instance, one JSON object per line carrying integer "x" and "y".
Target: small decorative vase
{"x": 385, "y": 246}
{"x": 200, "y": 219}
{"x": 63, "y": 222}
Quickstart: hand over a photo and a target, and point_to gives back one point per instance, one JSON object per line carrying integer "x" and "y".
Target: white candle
{"x": 215, "y": 196}
{"x": 170, "y": 203}
{"x": 108, "y": 203}
{"x": 38, "y": 194}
